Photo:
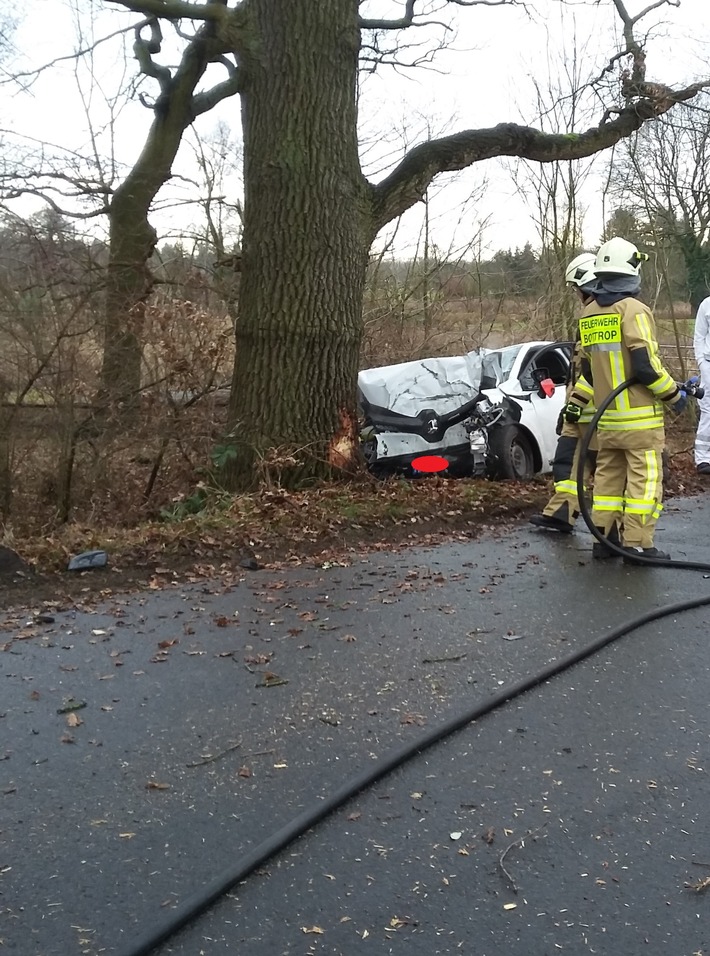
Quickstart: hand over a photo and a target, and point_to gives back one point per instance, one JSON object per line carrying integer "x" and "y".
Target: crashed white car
{"x": 490, "y": 412}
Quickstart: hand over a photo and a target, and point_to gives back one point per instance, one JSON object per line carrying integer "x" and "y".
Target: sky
{"x": 487, "y": 72}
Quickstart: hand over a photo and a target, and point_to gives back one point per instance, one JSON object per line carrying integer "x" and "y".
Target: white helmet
{"x": 619, "y": 257}
{"x": 580, "y": 271}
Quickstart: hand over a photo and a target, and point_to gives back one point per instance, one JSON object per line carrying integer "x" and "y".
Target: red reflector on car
{"x": 430, "y": 463}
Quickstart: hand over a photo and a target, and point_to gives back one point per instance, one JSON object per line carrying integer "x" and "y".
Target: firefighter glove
{"x": 572, "y": 413}
{"x": 560, "y": 422}
{"x": 679, "y": 405}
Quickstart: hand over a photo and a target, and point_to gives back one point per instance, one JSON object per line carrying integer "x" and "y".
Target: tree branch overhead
{"x": 407, "y": 183}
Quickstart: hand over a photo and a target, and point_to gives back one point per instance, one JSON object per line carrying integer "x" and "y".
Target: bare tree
{"x": 127, "y": 200}
{"x": 310, "y": 214}
{"x": 663, "y": 172}
{"x": 552, "y": 191}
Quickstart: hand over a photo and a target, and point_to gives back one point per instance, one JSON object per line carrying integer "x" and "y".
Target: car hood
{"x": 441, "y": 384}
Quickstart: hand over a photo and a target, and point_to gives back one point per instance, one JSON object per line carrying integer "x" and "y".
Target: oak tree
{"x": 311, "y": 215}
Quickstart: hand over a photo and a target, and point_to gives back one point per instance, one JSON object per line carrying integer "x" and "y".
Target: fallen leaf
{"x": 272, "y": 680}
{"x": 74, "y": 720}
{"x": 70, "y": 705}
{"x": 258, "y": 659}
{"x": 153, "y": 785}
{"x": 417, "y": 719}
{"x": 312, "y": 929}
{"x": 164, "y": 644}
{"x": 244, "y": 772}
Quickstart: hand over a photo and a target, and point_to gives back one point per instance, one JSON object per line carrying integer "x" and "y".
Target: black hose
{"x": 584, "y": 507}
{"x": 196, "y": 904}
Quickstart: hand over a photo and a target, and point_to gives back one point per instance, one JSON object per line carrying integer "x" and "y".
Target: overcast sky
{"x": 484, "y": 76}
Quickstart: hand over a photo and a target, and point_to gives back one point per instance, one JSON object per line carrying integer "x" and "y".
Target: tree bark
{"x": 307, "y": 233}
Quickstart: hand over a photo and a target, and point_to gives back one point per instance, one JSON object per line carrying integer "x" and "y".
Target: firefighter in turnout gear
{"x": 562, "y": 510}
{"x": 618, "y": 342}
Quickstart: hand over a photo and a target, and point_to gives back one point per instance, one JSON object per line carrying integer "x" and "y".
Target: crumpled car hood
{"x": 442, "y": 384}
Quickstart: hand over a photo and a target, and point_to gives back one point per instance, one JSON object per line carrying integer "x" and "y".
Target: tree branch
{"x": 45, "y": 197}
{"x": 82, "y": 51}
{"x": 144, "y": 50}
{"x": 407, "y": 184}
{"x": 174, "y": 9}
{"x": 203, "y": 102}
{"x": 408, "y": 20}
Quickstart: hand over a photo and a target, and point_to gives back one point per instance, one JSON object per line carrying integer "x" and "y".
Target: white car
{"x": 490, "y": 412}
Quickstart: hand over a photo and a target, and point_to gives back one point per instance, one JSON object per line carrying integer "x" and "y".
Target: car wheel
{"x": 510, "y": 454}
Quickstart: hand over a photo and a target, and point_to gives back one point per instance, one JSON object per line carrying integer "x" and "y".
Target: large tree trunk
{"x": 128, "y": 284}
{"x": 307, "y": 233}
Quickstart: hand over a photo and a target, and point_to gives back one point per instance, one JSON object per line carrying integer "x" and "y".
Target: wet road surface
{"x": 148, "y": 740}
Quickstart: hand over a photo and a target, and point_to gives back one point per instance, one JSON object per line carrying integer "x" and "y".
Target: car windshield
{"x": 497, "y": 365}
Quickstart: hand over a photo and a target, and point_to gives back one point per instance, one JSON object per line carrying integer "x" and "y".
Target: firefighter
{"x": 618, "y": 341}
{"x": 562, "y": 510}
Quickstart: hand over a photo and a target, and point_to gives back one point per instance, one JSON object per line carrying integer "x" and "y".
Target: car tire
{"x": 510, "y": 455}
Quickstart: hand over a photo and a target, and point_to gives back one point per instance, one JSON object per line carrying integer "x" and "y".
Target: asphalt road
{"x": 148, "y": 741}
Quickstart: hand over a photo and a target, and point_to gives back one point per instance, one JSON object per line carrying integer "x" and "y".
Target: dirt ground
{"x": 281, "y": 529}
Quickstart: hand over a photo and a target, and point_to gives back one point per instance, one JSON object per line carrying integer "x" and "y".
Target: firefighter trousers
{"x": 628, "y": 484}
{"x": 564, "y": 504}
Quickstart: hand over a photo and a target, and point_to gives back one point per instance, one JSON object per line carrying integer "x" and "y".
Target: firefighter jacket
{"x": 619, "y": 342}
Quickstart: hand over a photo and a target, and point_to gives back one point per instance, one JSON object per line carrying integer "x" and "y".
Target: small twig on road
{"x": 442, "y": 660}
{"x": 213, "y": 757}
{"x": 520, "y": 842}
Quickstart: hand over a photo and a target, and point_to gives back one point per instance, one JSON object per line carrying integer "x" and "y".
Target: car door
{"x": 540, "y": 412}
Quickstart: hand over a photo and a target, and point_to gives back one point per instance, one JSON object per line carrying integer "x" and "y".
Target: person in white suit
{"x": 701, "y": 347}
